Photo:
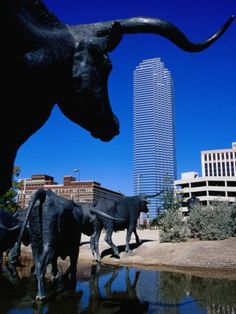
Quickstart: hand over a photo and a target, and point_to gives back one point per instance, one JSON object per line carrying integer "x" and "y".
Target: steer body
{"x": 55, "y": 231}
{"x": 10, "y": 227}
{"x": 128, "y": 209}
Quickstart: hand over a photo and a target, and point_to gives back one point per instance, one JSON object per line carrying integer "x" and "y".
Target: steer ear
{"x": 10, "y": 229}
{"x": 94, "y": 203}
{"x": 112, "y": 35}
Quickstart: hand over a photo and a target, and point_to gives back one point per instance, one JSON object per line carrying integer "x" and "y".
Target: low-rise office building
{"x": 219, "y": 162}
{"x": 79, "y": 191}
{"x": 206, "y": 189}
{"x": 218, "y": 181}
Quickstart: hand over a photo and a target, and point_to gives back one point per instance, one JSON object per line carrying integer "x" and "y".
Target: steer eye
{"x": 101, "y": 60}
{"x": 108, "y": 63}
{"x": 105, "y": 63}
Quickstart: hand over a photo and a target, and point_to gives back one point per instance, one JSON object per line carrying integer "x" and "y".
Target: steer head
{"x": 88, "y": 102}
{"x": 143, "y": 200}
{"x": 142, "y": 203}
{"x": 91, "y": 67}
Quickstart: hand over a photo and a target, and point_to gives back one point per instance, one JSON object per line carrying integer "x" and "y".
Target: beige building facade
{"x": 206, "y": 189}
{"x": 219, "y": 162}
{"x": 218, "y": 181}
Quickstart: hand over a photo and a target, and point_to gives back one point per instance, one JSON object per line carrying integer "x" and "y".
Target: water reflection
{"x": 107, "y": 289}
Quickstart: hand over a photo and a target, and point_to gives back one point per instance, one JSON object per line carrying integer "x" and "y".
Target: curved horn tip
{"x": 230, "y": 20}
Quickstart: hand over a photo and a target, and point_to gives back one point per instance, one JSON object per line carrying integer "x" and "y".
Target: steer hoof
{"x": 16, "y": 263}
{"x": 19, "y": 264}
{"x": 116, "y": 255}
{"x": 40, "y": 299}
{"x": 130, "y": 252}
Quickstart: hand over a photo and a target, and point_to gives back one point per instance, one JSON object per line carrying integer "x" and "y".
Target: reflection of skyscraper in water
{"x": 148, "y": 288}
{"x": 154, "y": 130}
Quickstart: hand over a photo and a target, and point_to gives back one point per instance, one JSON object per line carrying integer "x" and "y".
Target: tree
{"x": 172, "y": 225}
{"x": 8, "y": 201}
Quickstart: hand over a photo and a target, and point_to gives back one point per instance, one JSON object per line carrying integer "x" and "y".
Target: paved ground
{"x": 204, "y": 258}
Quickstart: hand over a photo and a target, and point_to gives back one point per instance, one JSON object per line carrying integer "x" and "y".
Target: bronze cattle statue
{"x": 10, "y": 228}
{"x": 127, "y": 211}
{"x": 192, "y": 202}
{"x": 55, "y": 225}
{"x": 45, "y": 62}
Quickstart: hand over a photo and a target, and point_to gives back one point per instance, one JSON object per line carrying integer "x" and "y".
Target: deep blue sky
{"x": 204, "y": 83}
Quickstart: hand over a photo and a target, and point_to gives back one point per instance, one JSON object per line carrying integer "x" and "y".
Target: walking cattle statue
{"x": 127, "y": 211}
{"x": 49, "y": 62}
{"x": 192, "y": 202}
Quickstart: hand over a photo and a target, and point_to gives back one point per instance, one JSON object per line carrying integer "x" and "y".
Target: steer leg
{"x": 94, "y": 244}
{"x": 136, "y": 236}
{"x": 54, "y": 270}
{"x": 40, "y": 269}
{"x": 40, "y": 277}
{"x": 1, "y": 258}
{"x": 128, "y": 237}
{"x": 108, "y": 239}
{"x": 73, "y": 267}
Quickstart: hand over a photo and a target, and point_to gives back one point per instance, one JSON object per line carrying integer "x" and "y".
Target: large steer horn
{"x": 112, "y": 32}
{"x": 101, "y": 213}
{"x": 154, "y": 195}
{"x": 9, "y": 229}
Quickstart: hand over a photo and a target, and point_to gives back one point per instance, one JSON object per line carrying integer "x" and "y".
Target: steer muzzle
{"x": 41, "y": 299}
{"x": 107, "y": 131}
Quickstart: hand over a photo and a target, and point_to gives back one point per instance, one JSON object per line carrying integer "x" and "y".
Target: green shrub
{"x": 171, "y": 224}
{"x": 211, "y": 222}
{"x": 172, "y": 227}
{"x": 233, "y": 217}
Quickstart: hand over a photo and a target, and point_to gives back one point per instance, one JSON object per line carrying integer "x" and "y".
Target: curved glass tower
{"x": 154, "y": 131}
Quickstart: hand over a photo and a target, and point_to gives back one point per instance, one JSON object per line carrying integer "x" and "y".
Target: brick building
{"x": 79, "y": 191}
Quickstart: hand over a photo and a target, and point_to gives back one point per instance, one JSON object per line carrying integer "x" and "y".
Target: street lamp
{"x": 138, "y": 190}
{"x": 142, "y": 215}
{"x": 78, "y": 179}
{"x": 78, "y": 173}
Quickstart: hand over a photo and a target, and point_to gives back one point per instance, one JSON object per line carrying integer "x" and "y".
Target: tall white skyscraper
{"x": 154, "y": 131}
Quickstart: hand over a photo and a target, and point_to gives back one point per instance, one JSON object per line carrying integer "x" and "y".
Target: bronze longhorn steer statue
{"x": 45, "y": 62}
